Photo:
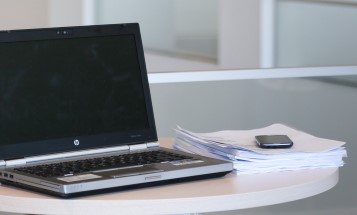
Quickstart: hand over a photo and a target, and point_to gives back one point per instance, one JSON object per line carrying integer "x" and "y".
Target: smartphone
{"x": 273, "y": 141}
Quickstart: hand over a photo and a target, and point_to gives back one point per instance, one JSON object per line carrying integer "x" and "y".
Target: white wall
{"x": 239, "y": 34}
{"x": 19, "y": 14}
{"x": 65, "y": 12}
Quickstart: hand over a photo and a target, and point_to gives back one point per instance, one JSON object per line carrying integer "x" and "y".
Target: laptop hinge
{"x": 138, "y": 147}
{"x": 15, "y": 162}
{"x": 143, "y": 146}
{"x": 153, "y": 144}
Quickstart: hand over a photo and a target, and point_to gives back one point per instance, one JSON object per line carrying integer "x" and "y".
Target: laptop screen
{"x": 72, "y": 89}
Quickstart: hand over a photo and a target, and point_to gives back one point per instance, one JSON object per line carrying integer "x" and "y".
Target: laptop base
{"x": 115, "y": 189}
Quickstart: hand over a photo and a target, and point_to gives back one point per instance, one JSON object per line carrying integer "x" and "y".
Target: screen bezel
{"x": 44, "y": 147}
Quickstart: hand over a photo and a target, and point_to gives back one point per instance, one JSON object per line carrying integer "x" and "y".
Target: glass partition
{"x": 177, "y": 28}
{"x": 240, "y": 34}
{"x": 190, "y": 35}
{"x": 316, "y": 33}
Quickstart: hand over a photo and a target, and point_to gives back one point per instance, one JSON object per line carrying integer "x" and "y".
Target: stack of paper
{"x": 308, "y": 152}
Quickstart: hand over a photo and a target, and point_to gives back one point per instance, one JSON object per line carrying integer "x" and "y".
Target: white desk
{"x": 227, "y": 193}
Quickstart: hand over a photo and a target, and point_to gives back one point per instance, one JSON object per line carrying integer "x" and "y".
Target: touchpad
{"x": 133, "y": 171}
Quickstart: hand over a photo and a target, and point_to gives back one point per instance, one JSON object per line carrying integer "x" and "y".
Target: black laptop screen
{"x": 71, "y": 88}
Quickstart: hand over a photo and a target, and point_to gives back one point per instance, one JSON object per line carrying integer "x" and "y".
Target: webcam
{"x": 63, "y": 32}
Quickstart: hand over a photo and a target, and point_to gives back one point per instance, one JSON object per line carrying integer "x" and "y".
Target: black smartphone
{"x": 273, "y": 141}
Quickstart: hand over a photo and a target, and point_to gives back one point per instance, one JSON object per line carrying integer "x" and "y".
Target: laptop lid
{"x": 73, "y": 88}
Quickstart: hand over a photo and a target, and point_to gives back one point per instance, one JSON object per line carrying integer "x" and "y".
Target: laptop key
{"x": 102, "y": 163}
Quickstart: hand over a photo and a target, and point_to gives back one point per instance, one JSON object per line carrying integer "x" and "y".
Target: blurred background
{"x": 212, "y": 34}
{"x": 238, "y": 35}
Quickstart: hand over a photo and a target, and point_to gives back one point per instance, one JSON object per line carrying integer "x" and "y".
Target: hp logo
{"x": 76, "y": 142}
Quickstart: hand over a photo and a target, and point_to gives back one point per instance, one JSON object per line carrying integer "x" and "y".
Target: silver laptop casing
{"x": 111, "y": 179}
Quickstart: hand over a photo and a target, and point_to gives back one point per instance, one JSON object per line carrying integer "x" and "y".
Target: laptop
{"x": 76, "y": 115}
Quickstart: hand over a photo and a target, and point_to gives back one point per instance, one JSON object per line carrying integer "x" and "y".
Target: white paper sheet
{"x": 303, "y": 142}
{"x": 239, "y": 147}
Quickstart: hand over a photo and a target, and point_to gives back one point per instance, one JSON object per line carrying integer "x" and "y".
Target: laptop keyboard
{"x": 96, "y": 164}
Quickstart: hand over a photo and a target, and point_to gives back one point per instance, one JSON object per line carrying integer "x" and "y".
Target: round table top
{"x": 230, "y": 192}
